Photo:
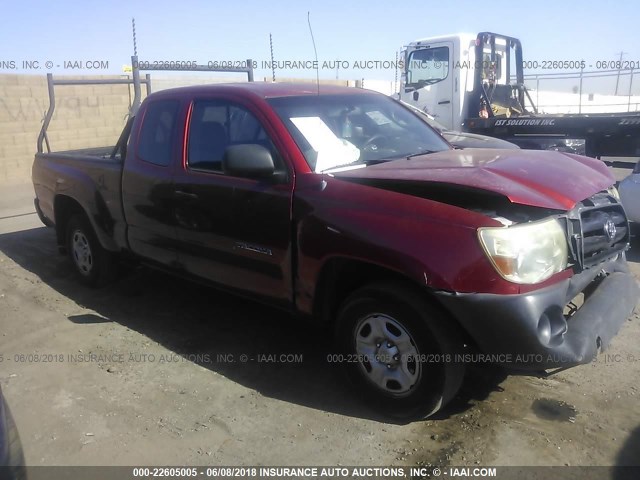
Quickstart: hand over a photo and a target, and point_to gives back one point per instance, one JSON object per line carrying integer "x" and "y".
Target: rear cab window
{"x": 157, "y": 134}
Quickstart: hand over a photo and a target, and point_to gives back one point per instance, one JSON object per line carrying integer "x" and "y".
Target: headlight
{"x": 526, "y": 253}
{"x": 613, "y": 191}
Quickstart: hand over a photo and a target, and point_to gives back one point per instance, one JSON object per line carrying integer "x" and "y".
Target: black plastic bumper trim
{"x": 508, "y": 326}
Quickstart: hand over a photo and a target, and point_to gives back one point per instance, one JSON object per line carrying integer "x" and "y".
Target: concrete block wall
{"x": 85, "y": 115}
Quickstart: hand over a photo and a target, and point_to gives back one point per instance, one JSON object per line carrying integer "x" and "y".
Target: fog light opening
{"x": 544, "y": 329}
{"x": 552, "y": 326}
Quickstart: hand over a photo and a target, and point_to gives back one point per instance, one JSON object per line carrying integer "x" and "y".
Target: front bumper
{"x": 531, "y": 332}
{"x": 629, "y": 189}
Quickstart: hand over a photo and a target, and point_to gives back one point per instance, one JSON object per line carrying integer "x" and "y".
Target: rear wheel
{"x": 399, "y": 350}
{"x": 94, "y": 266}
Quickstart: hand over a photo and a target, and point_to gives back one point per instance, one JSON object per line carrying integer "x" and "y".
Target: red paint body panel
{"x": 330, "y": 216}
{"x": 432, "y": 243}
{"x": 273, "y": 237}
{"x": 539, "y": 178}
{"x": 261, "y": 90}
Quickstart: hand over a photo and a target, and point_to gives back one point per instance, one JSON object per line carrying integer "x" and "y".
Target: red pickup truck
{"x": 344, "y": 206}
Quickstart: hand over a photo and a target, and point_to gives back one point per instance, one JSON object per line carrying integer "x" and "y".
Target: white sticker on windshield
{"x": 332, "y": 151}
{"x": 378, "y": 117}
{"x": 317, "y": 133}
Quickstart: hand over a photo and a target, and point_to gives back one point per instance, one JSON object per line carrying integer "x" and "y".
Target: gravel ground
{"x": 140, "y": 372}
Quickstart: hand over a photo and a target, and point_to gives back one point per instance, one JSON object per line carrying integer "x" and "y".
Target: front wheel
{"x": 399, "y": 350}
{"x": 94, "y": 266}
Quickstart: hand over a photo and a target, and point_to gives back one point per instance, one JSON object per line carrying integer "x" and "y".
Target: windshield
{"x": 433, "y": 123}
{"x": 354, "y": 130}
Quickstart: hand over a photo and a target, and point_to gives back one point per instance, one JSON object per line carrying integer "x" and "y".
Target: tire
{"x": 94, "y": 266}
{"x": 399, "y": 350}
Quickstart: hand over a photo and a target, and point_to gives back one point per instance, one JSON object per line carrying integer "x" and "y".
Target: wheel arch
{"x": 341, "y": 276}
{"x": 64, "y": 207}
{"x": 437, "y": 333}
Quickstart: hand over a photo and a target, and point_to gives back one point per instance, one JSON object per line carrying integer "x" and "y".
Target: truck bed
{"x": 89, "y": 176}
{"x": 100, "y": 152}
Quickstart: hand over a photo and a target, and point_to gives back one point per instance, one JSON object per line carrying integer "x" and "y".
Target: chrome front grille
{"x": 598, "y": 230}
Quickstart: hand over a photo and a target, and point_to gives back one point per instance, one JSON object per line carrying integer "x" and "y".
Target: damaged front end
{"x": 570, "y": 321}
{"x": 565, "y": 253}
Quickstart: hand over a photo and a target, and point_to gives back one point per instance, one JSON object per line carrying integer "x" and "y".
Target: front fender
{"x": 430, "y": 243}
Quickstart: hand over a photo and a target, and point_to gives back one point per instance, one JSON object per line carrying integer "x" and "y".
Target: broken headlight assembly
{"x": 526, "y": 253}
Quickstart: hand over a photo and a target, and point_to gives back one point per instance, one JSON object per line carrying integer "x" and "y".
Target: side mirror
{"x": 248, "y": 160}
{"x": 636, "y": 169}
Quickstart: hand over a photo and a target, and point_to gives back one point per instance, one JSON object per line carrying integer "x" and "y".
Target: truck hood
{"x": 538, "y": 178}
{"x": 473, "y": 140}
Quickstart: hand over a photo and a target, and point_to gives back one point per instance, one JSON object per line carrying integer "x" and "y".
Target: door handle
{"x": 180, "y": 193}
{"x": 444, "y": 102}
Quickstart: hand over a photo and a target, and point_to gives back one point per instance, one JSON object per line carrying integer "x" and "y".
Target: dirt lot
{"x": 139, "y": 373}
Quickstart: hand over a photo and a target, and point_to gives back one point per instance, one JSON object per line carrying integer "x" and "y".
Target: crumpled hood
{"x": 539, "y": 178}
{"x": 473, "y": 140}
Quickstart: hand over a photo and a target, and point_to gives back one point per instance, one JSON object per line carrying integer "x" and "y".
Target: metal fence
{"x": 578, "y": 88}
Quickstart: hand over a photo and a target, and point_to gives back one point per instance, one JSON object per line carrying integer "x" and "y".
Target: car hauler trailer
{"x": 477, "y": 84}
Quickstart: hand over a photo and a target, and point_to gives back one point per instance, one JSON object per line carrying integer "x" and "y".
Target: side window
{"x": 208, "y": 138}
{"x": 156, "y": 135}
{"x": 216, "y": 125}
{"x": 245, "y": 128}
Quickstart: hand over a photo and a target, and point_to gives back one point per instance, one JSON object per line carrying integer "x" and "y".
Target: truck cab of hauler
{"x": 449, "y": 76}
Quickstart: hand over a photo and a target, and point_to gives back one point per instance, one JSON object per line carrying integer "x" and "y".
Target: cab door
{"x": 147, "y": 186}
{"x": 232, "y": 231}
{"x": 430, "y": 79}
